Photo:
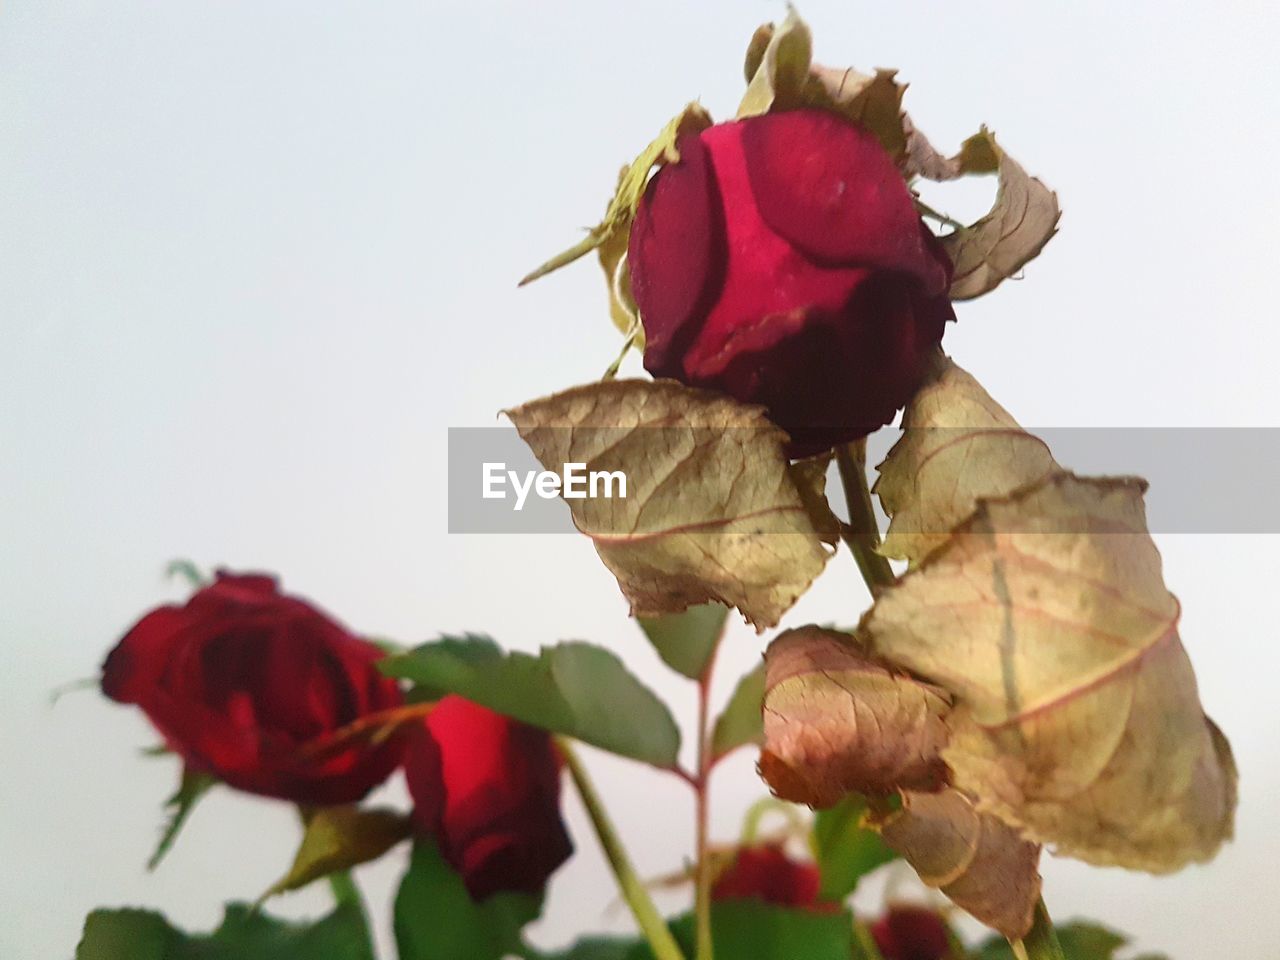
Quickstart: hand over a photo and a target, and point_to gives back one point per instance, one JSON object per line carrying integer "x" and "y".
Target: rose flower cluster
{"x": 270, "y": 695}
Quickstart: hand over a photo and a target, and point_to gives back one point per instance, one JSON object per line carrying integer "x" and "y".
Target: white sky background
{"x": 255, "y": 258}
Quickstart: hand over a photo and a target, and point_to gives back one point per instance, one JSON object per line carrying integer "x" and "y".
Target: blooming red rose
{"x": 782, "y": 261}
{"x": 487, "y": 789}
{"x": 765, "y": 872}
{"x": 244, "y": 682}
{"x": 911, "y": 933}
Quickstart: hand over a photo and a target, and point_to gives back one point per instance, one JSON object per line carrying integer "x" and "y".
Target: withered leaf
{"x": 712, "y": 512}
{"x": 1078, "y": 719}
{"x": 957, "y": 446}
{"x": 781, "y": 76}
{"x": 338, "y": 838}
{"x": 836, "y": 721}
{"x": 631, "y": 184}
{"x": 1023, "y": 219}
{"x": 975, "y": 859}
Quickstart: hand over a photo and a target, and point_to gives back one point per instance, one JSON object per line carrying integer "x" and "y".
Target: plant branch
{"x": 1042, "y": 942}
{"x": 631, "y": 886}
{"x": 702, "y": 867}
{"x": 861, "y": 533}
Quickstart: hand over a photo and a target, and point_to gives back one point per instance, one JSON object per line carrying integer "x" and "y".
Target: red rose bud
{"x": 766, "y": 873}
{"x": 782, "y": 261}
{"x": 243, "y": 681}
{"x": 487, "y": 788}
{"x": 911, "y": 933}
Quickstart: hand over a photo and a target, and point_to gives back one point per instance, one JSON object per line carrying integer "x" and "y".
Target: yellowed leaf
{"x": 617, "y": 218}
{"x": 957, "y": 445}
{"x": 1023, "y": 219}
{"x": 836, "y": 722}
{"x": 713, "y": 511}
{"x": 1078, "y": 720}
{"x": 975, "y": 859}
{"x": 338, "y": 838}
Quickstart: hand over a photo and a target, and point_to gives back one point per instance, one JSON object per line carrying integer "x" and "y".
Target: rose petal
{"x": 677, "y": 254}
{"x": 830, "y": 189}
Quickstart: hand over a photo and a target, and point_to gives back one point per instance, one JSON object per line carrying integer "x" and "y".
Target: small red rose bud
{"x": 487, "y": 788}
{"x": 782, "y": 261}
{"x": 911, "y": 933}
{"x": 243, "y": 680}
{"x": 766, "y": 872}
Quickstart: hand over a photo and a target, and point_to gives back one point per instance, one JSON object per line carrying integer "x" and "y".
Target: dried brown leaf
{"x": 975, "y": 859}
{"x": 1078, "y": 720}
{"x": 836, "y": 722}
{"x": 713, "y": 511}
{"x": 958, "y": 445}
{"x": 1023, "y": 219}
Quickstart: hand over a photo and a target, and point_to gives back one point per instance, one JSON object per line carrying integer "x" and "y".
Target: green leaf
{"x": 685, "y": 641}
{"x": 191, "y": 788}
{"x": 577, "y": 689}
{"x": 764, "y": 931}
{"x": 595, "y": 948}
{"x": 740, "y": 722}
{"x": 1080, "y": 940}
{"x": 436, "y": 919}
{"x": 845, "y": 850}
{"x": 245, "y": 934}
{"x": 338, "y": 838}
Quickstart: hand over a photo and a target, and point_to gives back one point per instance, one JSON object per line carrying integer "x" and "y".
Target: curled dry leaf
{"x": 836, "y": 722}
{"x": 1023, "y": 219}
{"x": 712, "y": 512}
{"x": 975, "y": 859}
{"x": 782, "y": 76}
{"x": 1078, "y": 718}
{"x": 957, "y": 445}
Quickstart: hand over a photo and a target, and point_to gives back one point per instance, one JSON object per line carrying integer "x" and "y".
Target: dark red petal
{"x": 828, "y": 376}
{"x": 766, "y": 873}
{"x": 677, "y": 254}
{"x": 911, "y": 933}
{"x": 134, "y": 667}
{"x": 490, "y": 796}
{"x": 832, "y": 190}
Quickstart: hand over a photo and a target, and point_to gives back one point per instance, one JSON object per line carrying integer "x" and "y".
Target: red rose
{"x": 487, "y": 788}
{"x": 911, "y": 933}
{"x": 782, "y": 261}
{"x": 243, "y": 681}
{"x": 767, "y": 873}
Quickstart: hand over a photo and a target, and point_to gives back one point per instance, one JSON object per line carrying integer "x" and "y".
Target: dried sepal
{"x": 1023, "y": 219}
{"x": 782, "y": 76}
{"x": 617, "y": 218}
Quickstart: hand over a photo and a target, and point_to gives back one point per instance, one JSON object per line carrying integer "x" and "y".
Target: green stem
{"x": 864, "y": 944}
{"x": 1042, "y": 942}
{"x": 702, "y": 881}
{"x": 861, "y": 533}
{"x": 631, "y": 886}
